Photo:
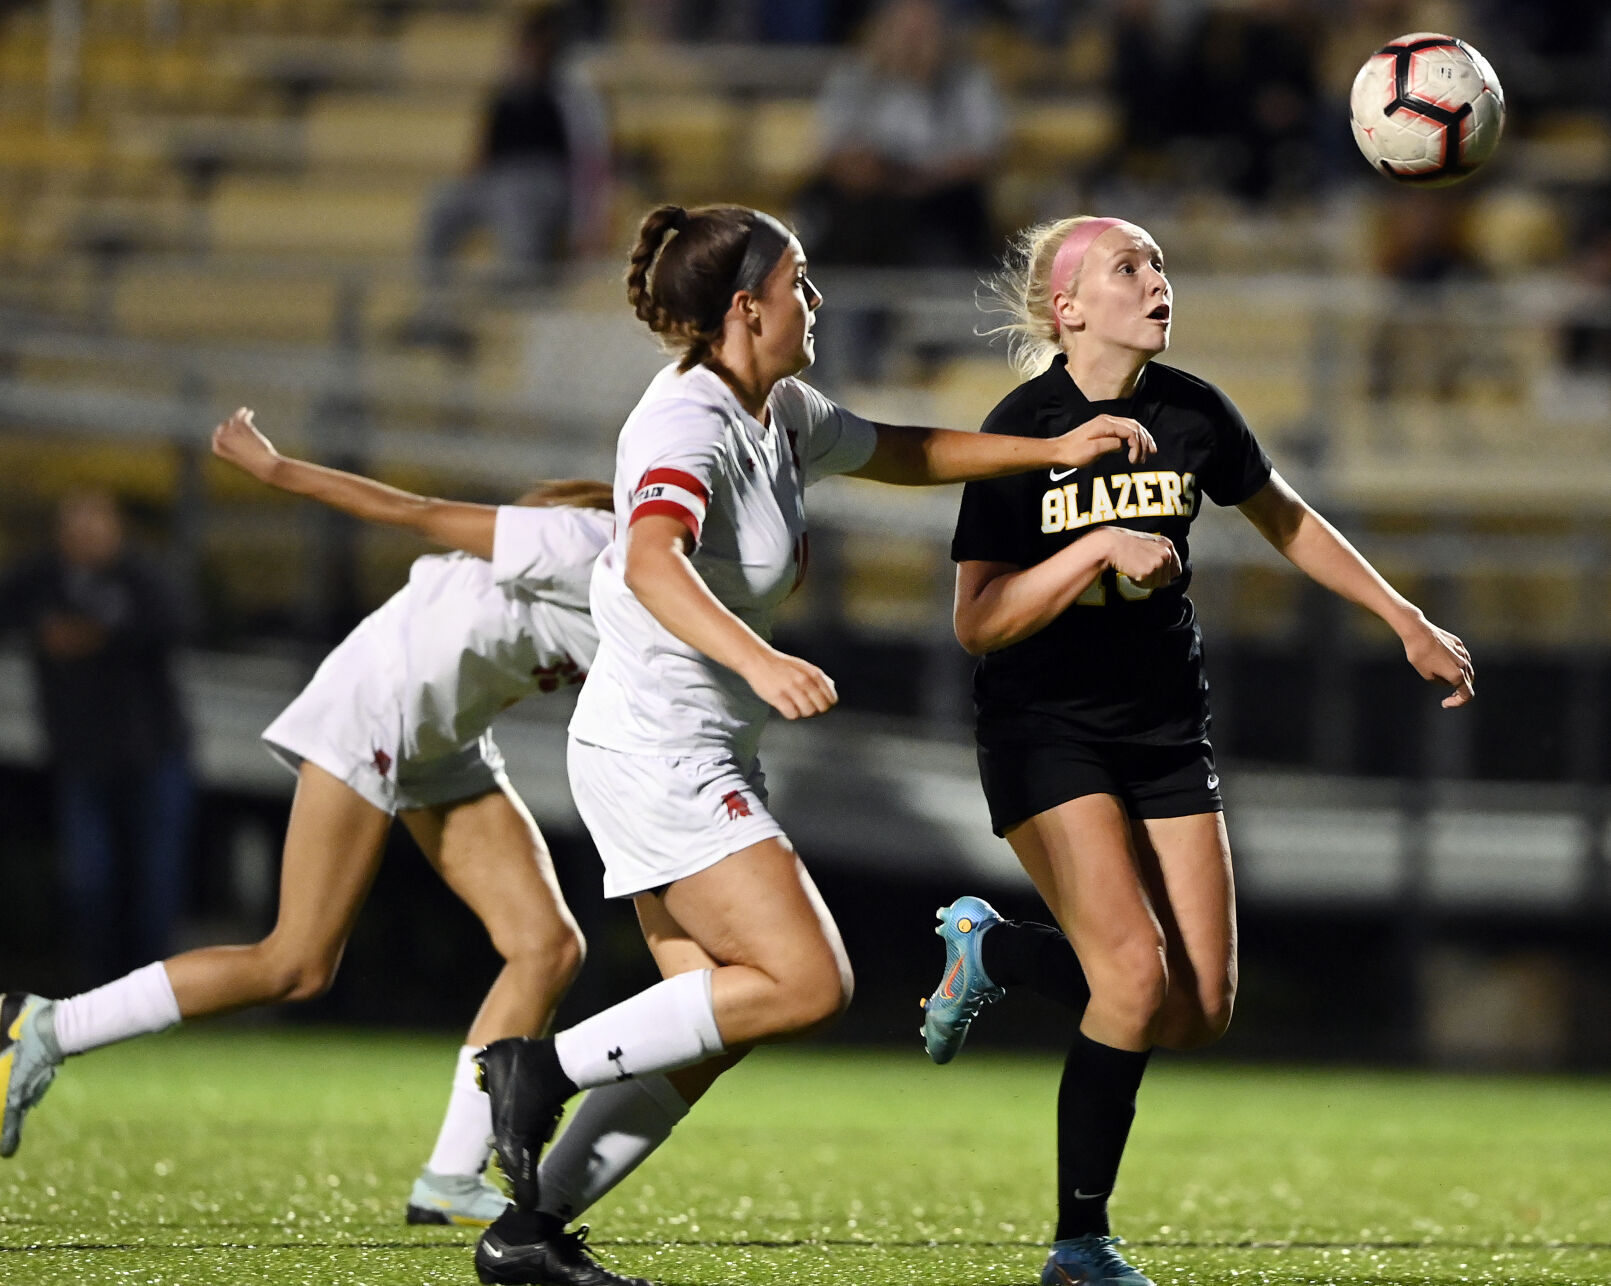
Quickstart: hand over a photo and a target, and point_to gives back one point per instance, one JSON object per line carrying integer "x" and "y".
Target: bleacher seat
{"x": 430, "y": 138}
{"x": 287, "y": 217}
{"x": 166, "y": 301}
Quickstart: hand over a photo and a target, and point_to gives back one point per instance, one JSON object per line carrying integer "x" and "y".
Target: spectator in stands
{"x": 1146, "y": 77}
{"x": 911, "y": 129}
{"x": 102, "y": 623}
{"x": 1586, "y": 334}
{"x": 1247, "y": 100}
{"x": 538, "y": 180}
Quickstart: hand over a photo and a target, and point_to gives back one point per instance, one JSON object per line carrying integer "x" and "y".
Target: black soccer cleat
{"x": 528, "y": 1090}
{"x": 558, "y": 1259}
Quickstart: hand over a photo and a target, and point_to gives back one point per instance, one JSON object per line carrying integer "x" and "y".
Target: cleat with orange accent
{"x": 1089, "y": 1261}
{"x": 965, "y": 986}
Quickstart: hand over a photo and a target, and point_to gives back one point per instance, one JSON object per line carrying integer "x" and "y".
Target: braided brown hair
{"x": 682, "y": 284}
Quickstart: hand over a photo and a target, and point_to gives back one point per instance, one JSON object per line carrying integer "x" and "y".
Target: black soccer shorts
{"x": 1036, "y": 763}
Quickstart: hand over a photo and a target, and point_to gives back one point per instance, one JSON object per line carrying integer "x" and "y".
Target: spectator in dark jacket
{"x": 101, "y": 624}
{"x": 538, "y": 178}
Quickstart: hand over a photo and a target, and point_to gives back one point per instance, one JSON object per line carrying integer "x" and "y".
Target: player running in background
{"x": 395, "y": 721}
{"x": 1092, "y": 710}
{"x": 711, "y": 469}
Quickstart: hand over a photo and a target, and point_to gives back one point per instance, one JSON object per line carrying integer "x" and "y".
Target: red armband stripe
{"x": 675, "y": 478}
{"x": 671, "y": 509}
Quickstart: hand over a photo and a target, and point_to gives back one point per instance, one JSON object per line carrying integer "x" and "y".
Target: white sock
{"x": 464, "y": 1143}
{"x": 612, "y": 1133}
{"x": 137, "y": 1004}
{"x": 669, "y": 1025}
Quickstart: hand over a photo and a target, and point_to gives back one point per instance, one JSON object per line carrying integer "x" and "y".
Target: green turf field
{"x": 271, "y": 1157}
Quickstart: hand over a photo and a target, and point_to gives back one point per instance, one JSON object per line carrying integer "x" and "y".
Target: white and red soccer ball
{"x": 1426, "y": 109}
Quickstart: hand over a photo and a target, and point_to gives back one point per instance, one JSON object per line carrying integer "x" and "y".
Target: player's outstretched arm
{"x": 1316, "y": 548}
{"x": 661, "y": 576}
{"x": 453, "y": 523}
{"x": 913, "y": 456}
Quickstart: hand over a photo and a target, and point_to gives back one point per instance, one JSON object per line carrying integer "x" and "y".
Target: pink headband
{"x": 1073, "y": 250}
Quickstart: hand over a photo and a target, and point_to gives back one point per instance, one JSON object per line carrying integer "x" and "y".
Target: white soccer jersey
{"x": 425, "y": 674}
{"x": 690, "y": 450}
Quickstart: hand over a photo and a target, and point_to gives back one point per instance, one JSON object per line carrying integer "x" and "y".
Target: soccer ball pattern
{"x": 1426, "y": 109}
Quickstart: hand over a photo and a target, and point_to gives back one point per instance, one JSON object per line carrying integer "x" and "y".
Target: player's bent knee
{"x": 1138, "y": 989}
{"x": 556, "y": 950}
{"x": 1205, "y": 1023}
{"x": 302, "y": 980}
{"x": 816, "y": 999}
{"x": 1217, "y": 1016}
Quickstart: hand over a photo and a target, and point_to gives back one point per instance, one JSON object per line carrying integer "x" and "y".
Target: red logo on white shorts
{"x": 383, "y": 762}
{"x": 737, "y": 805}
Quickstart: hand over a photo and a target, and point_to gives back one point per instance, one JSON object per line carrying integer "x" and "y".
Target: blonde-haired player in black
{"x": 1092, "y": 702}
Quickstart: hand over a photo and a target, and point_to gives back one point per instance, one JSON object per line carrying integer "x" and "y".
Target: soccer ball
{"x": 1426, "y": 109}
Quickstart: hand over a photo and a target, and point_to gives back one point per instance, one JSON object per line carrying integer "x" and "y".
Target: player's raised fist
{"x": 238, "y": 441}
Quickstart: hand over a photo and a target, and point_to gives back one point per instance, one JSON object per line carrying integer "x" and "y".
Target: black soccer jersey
{"x": 1122, "y": 662}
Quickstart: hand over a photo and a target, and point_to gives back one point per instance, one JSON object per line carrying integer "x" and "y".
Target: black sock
{"x": 1018, "y": 953}
{"x": 1095, "y": 1104}
{"x": 549, "y": 1225}
{"x": 520, "y": 1227}
{"x": 544, "y": 1058}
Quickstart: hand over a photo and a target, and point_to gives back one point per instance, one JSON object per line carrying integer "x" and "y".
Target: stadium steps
{"x": 166, "y": 301}
{"x": 35, "y": 469}
{"x": 431, "y": 138}
{"x": 249, "y": 215}
{"x": 782, "y": 147}
{"x": 688, "y": 144}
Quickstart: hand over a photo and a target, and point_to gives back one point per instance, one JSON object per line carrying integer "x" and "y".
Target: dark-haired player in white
{"x": 1092, "y": 701}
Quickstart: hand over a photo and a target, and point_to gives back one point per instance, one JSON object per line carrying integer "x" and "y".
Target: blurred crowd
{"x": 1241, "y": 98}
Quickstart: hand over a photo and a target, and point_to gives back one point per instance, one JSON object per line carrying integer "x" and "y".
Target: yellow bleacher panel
{"x": 968, "y": 388}
{"x": 1521, "y": 607}
{"x": 1013, "y": 59}
{"x": 165, "y": 303}
{"x": 784, "y": 146}
{"x": 45, "y": 465}
{"x": 1274, "y": 401}
{"x": 1571, "y": 146}
{"x": 1069, "y": 132}
{"x": 691, "y": 139}
{"x": 892, "y": 583}
{"x": 273, "y": 216}
{"x": 32, "y": 146}
{"x": 428, "y": 138}
{"x": 455, "y": 49}
{"x": 1515, "y": 229}
{"x": 1087, "y": 56}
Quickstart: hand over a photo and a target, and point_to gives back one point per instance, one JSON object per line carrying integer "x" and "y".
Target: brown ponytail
{"x": 680, "y": 276}
{"x": 571, "y": 493}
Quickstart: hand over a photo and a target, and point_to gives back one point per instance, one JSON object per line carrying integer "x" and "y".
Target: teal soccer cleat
{"x": 965, "y": 986}
{"x": 1089, "y": 1261}
{"x": 28, "y": 1060}
{"x": 465, "y": 1200}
